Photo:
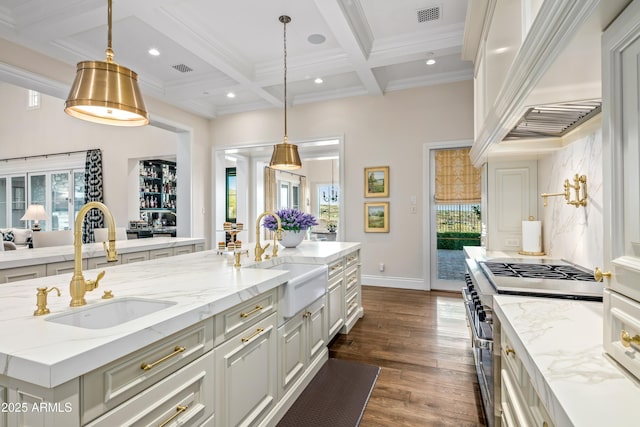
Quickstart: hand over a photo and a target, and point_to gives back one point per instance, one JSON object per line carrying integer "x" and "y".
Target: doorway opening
{"x": 455, "y": 214}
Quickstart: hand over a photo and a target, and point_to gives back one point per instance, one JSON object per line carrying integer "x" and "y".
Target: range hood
{"x": 553, "y": 120}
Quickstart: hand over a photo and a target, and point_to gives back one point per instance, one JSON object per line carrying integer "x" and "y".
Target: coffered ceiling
{"x": 210, "y": 48}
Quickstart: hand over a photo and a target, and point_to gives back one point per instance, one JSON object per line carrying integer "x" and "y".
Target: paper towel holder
{"x": 523, "y": 252}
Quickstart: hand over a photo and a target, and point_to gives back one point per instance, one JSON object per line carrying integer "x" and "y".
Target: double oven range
{"x": 514, "y": 276}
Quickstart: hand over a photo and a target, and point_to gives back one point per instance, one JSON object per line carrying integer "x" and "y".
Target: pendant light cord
{"x": 109, "y": 50}
{"x": 285, "y": 19}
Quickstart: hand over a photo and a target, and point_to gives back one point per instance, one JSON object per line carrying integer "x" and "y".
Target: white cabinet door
{"x": 621, "y": 130}
{"x": 292, "y": 352}
{"x": 335, "y": 303}
{"x": 246, "y": 385}
{"x": 317, "y": 335}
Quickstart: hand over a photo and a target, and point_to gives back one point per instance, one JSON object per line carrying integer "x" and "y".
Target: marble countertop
{"x": 200, "y": 284}
{"x": 26, "y": 257}
{"x": 560, "y": 344}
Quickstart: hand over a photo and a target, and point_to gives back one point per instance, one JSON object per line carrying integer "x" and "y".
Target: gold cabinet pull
{"x": 508, "y": 350}
{"x": 179, "y": 409}
{"x": 336, "y": 267}
{"x": 626, "y": 339}
{"x": 256, "y": 309}
{"x": 307, "y": 314}
{"x": 599, "y": 274}
{"x": 253, "y": 335}
{"x": 147, "y": 366}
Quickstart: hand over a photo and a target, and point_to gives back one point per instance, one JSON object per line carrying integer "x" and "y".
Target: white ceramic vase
{"x": 292, "y": 238}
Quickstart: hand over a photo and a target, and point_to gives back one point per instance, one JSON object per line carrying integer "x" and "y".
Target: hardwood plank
{"x": 421, "y": 342}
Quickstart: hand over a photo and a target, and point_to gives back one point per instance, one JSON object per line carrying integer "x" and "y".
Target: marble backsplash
{"x": 571, "y": 233}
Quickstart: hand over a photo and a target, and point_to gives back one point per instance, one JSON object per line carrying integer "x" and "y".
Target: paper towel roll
{"x": 532, "y": 237}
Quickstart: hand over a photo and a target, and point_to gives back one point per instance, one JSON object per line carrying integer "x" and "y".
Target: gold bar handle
{"x": 258, "y": 308}
{"x": 626, "y": 339}
{"x": 336, "y": 267}
{"x": 509, "y": 351}
{"x": 253, "y": 335}
{"x": 180, "y": 409}
{"x": 147, "y": 366}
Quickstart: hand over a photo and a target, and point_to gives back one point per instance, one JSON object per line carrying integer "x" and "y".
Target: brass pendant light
{"x": 105, "y": 92}
{"x": 285, "y": 156}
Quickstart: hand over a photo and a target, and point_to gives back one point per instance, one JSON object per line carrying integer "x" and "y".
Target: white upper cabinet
{"x": 621, "y": 132}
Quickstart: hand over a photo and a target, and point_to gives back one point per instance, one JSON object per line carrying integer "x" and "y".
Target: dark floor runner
{"x": 335, "y": 397}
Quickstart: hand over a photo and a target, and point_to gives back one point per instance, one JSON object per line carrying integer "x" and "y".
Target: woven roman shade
{"x": 457, "y": 180}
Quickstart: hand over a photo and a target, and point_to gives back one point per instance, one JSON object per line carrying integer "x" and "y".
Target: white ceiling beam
{"x": 350, "y": 29}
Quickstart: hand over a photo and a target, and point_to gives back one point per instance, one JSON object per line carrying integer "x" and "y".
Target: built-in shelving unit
{"x": 158, "y": 188}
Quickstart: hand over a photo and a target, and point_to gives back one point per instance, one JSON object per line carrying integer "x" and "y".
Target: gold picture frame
{"x": 376, "y": 181}
{"x": 376, "y": 217}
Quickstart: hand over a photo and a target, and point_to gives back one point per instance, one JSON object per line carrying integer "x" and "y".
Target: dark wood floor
{"x": 421, "y": 342}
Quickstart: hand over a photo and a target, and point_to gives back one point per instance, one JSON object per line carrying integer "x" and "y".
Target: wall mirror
{"x": 239, "y": 187}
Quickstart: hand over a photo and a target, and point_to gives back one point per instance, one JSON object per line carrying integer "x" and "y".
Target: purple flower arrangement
{"x": 291, "y": 219}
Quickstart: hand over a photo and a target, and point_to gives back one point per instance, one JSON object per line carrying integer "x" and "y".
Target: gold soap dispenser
{"x": 41, "y": 301}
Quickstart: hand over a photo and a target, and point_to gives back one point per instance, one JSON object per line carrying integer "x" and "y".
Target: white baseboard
{"x": 394, "y": 282}
{"x": 409, "y": 283}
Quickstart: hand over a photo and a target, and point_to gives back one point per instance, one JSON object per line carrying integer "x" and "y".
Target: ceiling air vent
{"x": 554, "y": 120}
{"x": 428, "y": 14}
{"x": 182, "y": 68}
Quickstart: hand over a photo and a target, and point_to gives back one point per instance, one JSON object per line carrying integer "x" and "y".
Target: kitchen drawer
{"x": 128, "y": 258}
{"x": 101, "y": 262}
{"x": 622, "y": 316}
{"x": 352, "y": 310}
{"x": 63, "y": 267}
{"x": 241, "y": 316}
{"x": 336, "y": 268}
{"x": 511, "y": 361}
{"x": 352, "y": 259}
{"x": 160, "y": 253}
{"x": 514, "y": 410}
{"x": 352, "y": 279}
{"x": 22, "y": 273}
{"x": 112, "y": 384}
{"x": 181, "y": 250}
{"x": 183, "y": 398}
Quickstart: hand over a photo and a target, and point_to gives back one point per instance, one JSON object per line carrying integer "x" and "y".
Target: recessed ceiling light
{"x": 318, "y": 80}
{"x": 316, "y": 39}
{"x": 231, "y": 95}
{"x": 154, "y": 52}
{"x": 431, "y": 61}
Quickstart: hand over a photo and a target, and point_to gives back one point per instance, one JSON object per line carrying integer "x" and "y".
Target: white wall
{"x": 49, "y": 130}
{"x": 571, "y": 233}
{"x": 378, "y": 131}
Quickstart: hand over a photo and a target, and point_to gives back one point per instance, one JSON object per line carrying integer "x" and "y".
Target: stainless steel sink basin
{"x": 110, "y": 313}
{"x": 307, "y": 283}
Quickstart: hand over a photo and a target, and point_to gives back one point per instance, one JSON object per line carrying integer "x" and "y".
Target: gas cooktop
{"x": 541, "y": 277}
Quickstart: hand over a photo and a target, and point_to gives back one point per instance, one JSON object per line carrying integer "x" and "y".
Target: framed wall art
{"x": 376, "y": 217}
{"x": 376, "y": 181}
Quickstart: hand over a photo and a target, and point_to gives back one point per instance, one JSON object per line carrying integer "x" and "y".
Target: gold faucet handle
{"x": 92, "y": 284}
{"x": 110, "y": 250}
{"x": 41, "y": 301}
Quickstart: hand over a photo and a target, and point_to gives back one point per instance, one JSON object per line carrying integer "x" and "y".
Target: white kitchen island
{"x": 63, "y": 368}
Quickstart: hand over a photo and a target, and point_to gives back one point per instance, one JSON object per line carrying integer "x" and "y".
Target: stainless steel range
{"x": 516, "y": 276}
{"x": 545, "y": 278}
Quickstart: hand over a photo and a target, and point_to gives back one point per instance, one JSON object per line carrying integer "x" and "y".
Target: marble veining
{"x": 560, "y": 345}
{"x": 201, "y": 284}
{"x": 573, "y": 233}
